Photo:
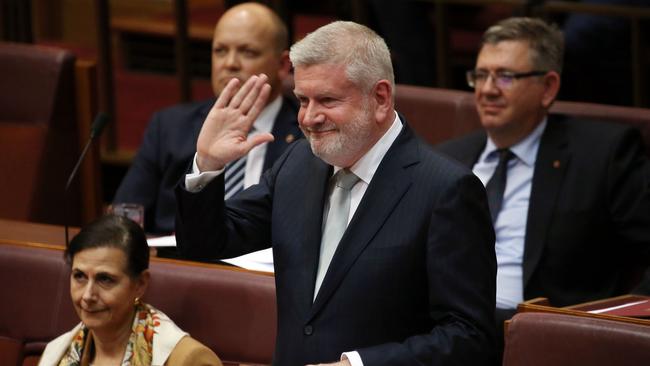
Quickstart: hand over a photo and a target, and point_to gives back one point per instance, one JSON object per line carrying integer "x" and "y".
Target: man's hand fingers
{"x": 243, "y": 92}
{"x": 258, "y": 104}
{"x": 227, "y": 93}
{"x": 259, "y": 139}
{"x": 253, "y": 95}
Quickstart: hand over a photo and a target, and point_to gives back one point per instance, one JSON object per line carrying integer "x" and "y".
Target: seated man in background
{"x": 570, "y": 199}
{"x": 248, "y": 39}
{"x": 383, "y": 249}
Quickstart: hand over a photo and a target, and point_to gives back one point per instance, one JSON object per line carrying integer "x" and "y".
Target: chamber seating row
{"x": 231, "y": 311}
{"x": 539, "y": 339}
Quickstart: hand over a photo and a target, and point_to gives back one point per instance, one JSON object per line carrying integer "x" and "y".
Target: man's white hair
{"x": 359, "y": 48}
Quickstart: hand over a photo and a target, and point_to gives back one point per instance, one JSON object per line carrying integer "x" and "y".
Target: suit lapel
{"x": 469, "y": 156}
{"x": 309, "y": 227}
{"x": 383, "y": 193}
{"x": 467, "y": 149}
{"x": 552, "y": 161}
{"x": 285, "y": 130}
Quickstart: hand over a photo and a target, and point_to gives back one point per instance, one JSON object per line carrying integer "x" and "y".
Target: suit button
{"x": 308, "y": 330}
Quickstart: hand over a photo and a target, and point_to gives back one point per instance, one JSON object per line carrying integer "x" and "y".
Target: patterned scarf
{"x": 138, "y": 349}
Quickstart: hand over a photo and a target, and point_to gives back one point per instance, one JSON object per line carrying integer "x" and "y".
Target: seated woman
{"x": 109, "y": 260}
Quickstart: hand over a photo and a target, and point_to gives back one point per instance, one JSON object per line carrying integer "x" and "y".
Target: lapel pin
{"x": 556, "y": 164}
{"x": 289, "y": 138}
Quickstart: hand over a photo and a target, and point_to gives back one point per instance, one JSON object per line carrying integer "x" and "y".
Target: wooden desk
{"x": 541, "y": 304}
{"x": 53, "y": 236}
{"x": 22, "y": 232}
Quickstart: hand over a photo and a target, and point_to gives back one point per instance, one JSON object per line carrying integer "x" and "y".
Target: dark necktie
{"x": 234, "y": 177}
{"x": 497, "y": 184}
{"x": 235, "y": 174}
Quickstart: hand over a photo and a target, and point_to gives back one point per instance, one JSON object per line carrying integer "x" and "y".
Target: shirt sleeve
{"x": 196, "y": 180}
{"x": 353, "y": 357}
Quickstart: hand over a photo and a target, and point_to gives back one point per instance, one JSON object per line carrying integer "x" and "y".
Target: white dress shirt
{"x": 510, "y": 225}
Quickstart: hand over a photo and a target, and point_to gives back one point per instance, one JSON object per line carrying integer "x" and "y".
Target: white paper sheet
{"x": 261, "y": 260}
{"x": 256, "y": 261}
{"x": 163, "y": 241}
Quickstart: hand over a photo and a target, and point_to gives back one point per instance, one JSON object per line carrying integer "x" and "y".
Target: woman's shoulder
{"x": 189, "y": 351}
{"x": 172, "y": 346}
{"x": 55, "y": 349}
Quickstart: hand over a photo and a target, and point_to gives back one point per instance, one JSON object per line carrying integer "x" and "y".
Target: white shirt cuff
{"x": 353, "y": 357}
{"x": 196, "y": 180}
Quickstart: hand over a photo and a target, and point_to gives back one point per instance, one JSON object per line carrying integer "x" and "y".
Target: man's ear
{"x": 551, "y": 88}
{"x": 382, "y": 94}
{"x": 285, "y": 65}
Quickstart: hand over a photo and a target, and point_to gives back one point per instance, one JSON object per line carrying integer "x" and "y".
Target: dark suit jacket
{"x": 412, "y": 281}
{"x": 589, "y": 209}
{"x": 168, "y": 148}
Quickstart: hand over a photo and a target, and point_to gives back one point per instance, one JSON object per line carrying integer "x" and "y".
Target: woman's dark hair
{"x": 114, "y": 232}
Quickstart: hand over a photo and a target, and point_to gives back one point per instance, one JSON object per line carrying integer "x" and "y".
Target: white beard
{"x": 350, "y": 138}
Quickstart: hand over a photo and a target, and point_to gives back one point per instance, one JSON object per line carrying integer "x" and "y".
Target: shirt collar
{"x": 264, "y": 122}
{"x": 366, "y": 167}
{"x": 525, "y": 150}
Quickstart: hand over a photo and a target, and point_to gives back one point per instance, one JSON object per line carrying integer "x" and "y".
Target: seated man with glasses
{"x": 570, "y": 199}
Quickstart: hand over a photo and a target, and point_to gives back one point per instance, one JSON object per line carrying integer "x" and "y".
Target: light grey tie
{"x": 336, "y": 222}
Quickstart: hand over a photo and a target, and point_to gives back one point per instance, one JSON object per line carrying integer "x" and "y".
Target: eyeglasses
{"x": 502, "y": 79}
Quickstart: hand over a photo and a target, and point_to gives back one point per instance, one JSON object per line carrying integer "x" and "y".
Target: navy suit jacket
{"x": 588, "y": 228}
{"x": 412, "y": 281}
{"x": 167, "y": 150}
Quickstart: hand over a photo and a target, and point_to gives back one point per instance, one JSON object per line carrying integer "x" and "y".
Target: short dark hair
{"x": 114, "y": 232}
{"x": 546, "y": 41}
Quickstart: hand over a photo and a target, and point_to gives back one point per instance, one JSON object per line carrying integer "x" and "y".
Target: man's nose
{"x": 489, "y": 85}
{"x": 311, "y": 115}
{"x": 232, "y": 60}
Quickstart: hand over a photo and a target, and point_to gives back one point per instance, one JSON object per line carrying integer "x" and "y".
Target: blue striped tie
{"x": 234, "y": 177}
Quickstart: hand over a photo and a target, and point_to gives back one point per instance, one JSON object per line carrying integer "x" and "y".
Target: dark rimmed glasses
{"x": 502, "y": 79}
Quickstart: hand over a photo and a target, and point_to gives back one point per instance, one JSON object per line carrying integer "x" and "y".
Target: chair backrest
{"x": 232, "y": 312}
{"x": 437, "y": 114}
{"x": 441, "y": 114}
{"x": 635, "y": 117}
{"x": 534, "y": 339}
{"x": 39, "y": 136}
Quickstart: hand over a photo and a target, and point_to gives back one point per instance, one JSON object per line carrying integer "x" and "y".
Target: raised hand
{"x": 224, "y": 135}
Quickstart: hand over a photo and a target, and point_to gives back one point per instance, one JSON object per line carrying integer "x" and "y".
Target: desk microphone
{"x": 95, "y": 131}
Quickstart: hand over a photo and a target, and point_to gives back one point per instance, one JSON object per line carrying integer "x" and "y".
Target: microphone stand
{"x": 95, "y": 131}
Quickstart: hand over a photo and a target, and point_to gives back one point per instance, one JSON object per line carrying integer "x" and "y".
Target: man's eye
{"x": 328, "y": 101}
{"x": 219, "y": 51}
{"x": 250, "y": 53}
{"x": 78, "y": 276}
{"x": 505, "y": 77}
{"x": 480, "y": 76}
{"x": 107, "y": 280}
{"x": 303, "y": 101}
